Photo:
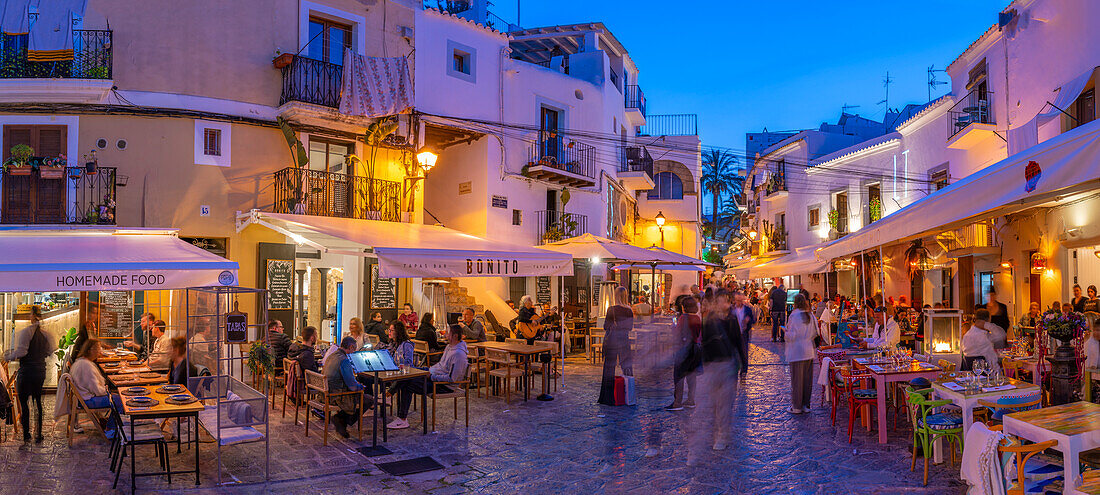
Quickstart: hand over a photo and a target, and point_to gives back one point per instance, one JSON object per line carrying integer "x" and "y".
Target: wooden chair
{"x": 276, "y": 379}
{"x": 836, "y": 387}
{"x": 458, "y": 390}
{"x": 242, "y": 352}
{"x": 477, "y": 364}
{"x": 145, "y": 433}
{"x": 1012, "y": 403}
{"x": 319, "y": 397}
{"x": 294, "y": 384}
{"x": 503, "y": 367}
{"x": 595, "y": 345}
{"x": 1024, "y": 452}
{"x": 930, "y": 425}
{"x": 858, "y": 396}
{"x": 78, "y": 406}
{"x": 945, "y": 365}
{"x": 422, "y": 353}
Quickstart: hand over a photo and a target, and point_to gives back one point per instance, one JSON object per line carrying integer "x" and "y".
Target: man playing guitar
{"x": 526, "y": 325}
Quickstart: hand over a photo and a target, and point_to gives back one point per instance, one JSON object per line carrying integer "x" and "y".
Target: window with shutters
{"x": 212, "y": 142}
{"x": 30, "y": 198}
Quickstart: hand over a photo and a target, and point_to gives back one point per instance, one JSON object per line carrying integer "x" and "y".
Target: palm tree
{"x": 719, "y": 178}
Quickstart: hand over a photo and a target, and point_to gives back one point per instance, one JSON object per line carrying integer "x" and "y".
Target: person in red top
{"x": 408, "y": 317}
{"x": 689, "y": 329}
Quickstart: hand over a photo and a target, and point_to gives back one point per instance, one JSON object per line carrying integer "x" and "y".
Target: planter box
{"x": 20, "y": 170}
{"x": 283, "y": 60}
{"x": 51, "y": 172}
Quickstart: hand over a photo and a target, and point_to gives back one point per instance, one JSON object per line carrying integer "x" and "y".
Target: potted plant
{"x": 63, "y": 345}
{"x": 19, "y": 163}
{"x": 261, "y": 361}
{"x": 834, "y": 219}
{"x": 874, "y": 208}
{"x": 282, "y": 60}
{"x": 52, "y": 168}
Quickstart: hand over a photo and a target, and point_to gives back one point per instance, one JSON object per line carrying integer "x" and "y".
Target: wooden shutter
{"x": 30, "y": 198}
{"x": 51, "y": 140}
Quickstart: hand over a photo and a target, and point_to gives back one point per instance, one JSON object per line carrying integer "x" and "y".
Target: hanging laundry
{"x": 375, "y": 86}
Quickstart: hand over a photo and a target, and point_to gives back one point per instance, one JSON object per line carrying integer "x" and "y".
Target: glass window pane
{"x": 317, "y": 154}
{"x": 336, "y": 43}
{"x": 315, "y": 50}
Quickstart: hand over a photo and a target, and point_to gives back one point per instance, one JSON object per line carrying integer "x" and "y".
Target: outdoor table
{"x": 133, "y": 379}
{"x": 125, "y": 369}
{"x": 967, "y": 401}
{"x": 114, "y": 357}
{"x": 525, "y": 352}
{"x": 161, "y": 410}
{"x": 887, "y": 374}
{"x": 863, "y": 362}
{"x": 380, "y": 380}
{"x": 1076, "y": 427}
{"x": 1086, "y": 385}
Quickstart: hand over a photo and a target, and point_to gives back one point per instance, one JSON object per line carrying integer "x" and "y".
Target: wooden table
{"x": 380, "y": 379}
{"x": 161, "y": 410}
{"x": 1076, "y": 427}
{"x": 125, "y": 369}
{"x": 525, "y": 352}
{"x": 884, "y": 375}
{"x": 112, "y": 357}
{"x": 132, "y": 379}
{"x": 967, "y": 401}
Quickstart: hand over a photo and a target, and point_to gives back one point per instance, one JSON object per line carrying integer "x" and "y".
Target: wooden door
{"x": 30, "y": 198}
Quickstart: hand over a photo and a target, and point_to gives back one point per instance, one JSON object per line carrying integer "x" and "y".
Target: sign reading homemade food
{"x": 280, "y": 284}
{"x": 113, "y": 280}
{"x": 383, "y": 291}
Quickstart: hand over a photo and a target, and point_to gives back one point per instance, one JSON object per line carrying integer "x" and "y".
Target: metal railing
{"x": 312, "y": 81}
{"x": 330, "y": 194}
{"x": 974, "y": 108}
{"x": 775, "y": 184}
{"x": 681, "y": 124}
{"x": 635, "y": 159}
{"x": 635, "y": 98}
{"x": 59, "y": 196}
{"x": 549, "y": 64}
{"x": 973, "y": 235}
{"x": 553, "y": 225}
{"x": 776, "y": 242}
{"x": 92, "y": 58}
{"x": 574, "y": 157}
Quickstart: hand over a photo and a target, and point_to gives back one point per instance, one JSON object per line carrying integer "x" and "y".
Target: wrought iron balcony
{"x": 776, "y": 241}
{"x": 564, "y": 161}
{"x": 635, "y": 98}
{"x": 681, "y": 124}
{"x": 974, "y": 108}
{"x": 776, "y": 184}
{"x": 92, "y": 58}
{"x": 68, "y": 195}
{"x": 635, "y": 159}
{"x": 553, "y": 225}
{"x": 312, "y": 81}
{"x": 330, "y": 194}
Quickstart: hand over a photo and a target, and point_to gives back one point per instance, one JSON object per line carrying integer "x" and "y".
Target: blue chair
{"x": 1012, "y": 403}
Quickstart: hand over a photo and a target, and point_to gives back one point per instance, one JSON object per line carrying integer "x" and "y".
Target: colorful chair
{"x": 932, "y": 424}
{"x": 1026, "y": 481}
{"x": 859, "y": 396}
{"x": 1012, "y": 403}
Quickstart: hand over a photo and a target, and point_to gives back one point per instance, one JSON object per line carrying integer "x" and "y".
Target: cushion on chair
{"x": 920, "y": 382}
{"x": 998, "y": 414}
{"x": 941, "y": 421}
{"x": 865, "y": 393}
{"x": 208, "y": 419}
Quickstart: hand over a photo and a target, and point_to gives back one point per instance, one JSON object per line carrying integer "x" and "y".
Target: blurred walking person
{"x": 778, "y": 299}
{"x": 723, "y": 356}
{"x": 31, "y": 348}
{"x": 616, "y": 344}
{"x": 800, "y": 354}
{"x": 689, "y": 329}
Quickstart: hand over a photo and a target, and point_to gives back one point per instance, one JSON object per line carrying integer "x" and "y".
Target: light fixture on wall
{"x": 1006, "y": 264}
{"x": 752, "y": 234}
{"x": 1096, "y": 253}
{"x": 660, "y": 219}
{"x": 426, "y": 159}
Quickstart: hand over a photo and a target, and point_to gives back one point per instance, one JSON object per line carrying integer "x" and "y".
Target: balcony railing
{"x": 682, "y": 124}
{"x": 635, "y": 98}
{"x": 91, "y": 58}
{"x": 574, "y": 157}
{"x": 553, "y": 225}
{"x": 549, "y": 64}
{"x": 975, "y": 235}
{"x": 312, "y": 81}
{"x": 329, "y": 194}
{"x": 70, "y": 195}
{"x": 777, "y": 241}
{"x": 974, "y": 108}
{"x": 635, "y": 159}
{"x": 776, "y": 183}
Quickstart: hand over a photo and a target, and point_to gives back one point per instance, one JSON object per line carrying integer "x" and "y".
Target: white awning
{"x": 41, "y": 259}
{"x": 741, "y": 272}
{"x": 407, "y": 250}
{"x": 1050, "y": 171}
{"x": 800, "y": 262}
{"x": 644, "y": 268}
{"x": 588, "y": 246}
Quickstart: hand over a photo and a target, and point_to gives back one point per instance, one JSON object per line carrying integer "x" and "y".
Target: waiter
{"x": 31, "y": 349}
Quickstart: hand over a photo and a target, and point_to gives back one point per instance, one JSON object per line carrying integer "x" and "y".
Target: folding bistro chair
{"x": 78, "y": 406}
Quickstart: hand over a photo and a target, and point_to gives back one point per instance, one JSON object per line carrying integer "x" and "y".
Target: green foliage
{"x": 260, "y": 359}
{"x": 874, "y": 207}
{"x": 20, "y": 153}
{"x": 834, "y": 219}
{"x": 297, "y": 149}
{"x": 712, "y": 256}
{"x": 64, "y": 342}
{"x": 98, "y": 73}
{"x": 720, "y": 179}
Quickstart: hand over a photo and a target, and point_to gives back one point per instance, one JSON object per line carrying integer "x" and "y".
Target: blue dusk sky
{"x": 742, "y": 66}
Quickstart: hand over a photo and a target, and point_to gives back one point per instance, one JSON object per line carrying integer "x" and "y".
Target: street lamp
{"x": 752, "y": 235}
{"x": 426, "y": 159}
{"x": 661, "y": 226}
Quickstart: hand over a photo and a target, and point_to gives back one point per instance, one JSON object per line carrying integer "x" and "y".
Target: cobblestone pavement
{"x": 570, "y": 445}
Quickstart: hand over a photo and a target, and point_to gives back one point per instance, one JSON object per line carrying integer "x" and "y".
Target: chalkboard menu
{"x": 116, "y": 314}
{"x": 383, "y": 291}
{"x": 542, "y": 290}
{"x": 280, "y": 284}
{"x": 236, "y": 327}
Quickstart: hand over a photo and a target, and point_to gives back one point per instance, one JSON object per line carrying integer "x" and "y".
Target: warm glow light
{"x": 660, "y": 219}
{"x": 1006, "y": 265}
{"x": 595, "y": 260}
{"x": 752, "y": 235}
{"x": 426, "y": 159}
{"x": 941, "y": 347}
{"x": 1096, "y": 253}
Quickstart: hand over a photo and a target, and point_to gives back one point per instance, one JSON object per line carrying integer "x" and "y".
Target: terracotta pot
{"x": 51, "y": 173}
{"x": 24, "y": 170}
{"x": 283, "y": 60}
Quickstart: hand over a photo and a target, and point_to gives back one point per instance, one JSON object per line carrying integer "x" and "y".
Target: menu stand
{"x": 374, "y": 362}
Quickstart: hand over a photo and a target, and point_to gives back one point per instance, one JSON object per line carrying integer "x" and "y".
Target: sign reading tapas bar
{"x": 456, "y": 264}
{"x": 125, "y": 280}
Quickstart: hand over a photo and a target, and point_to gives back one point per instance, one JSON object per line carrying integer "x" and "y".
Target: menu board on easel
{"x": 280, "y": 284}
{"x": 542, "y": 290}
{"x": 116, "y": 314}
{"x": 383, "y": 291}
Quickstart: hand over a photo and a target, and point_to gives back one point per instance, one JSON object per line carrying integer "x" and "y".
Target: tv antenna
{"x": 886, "y": 81}
{"x": 932, "y": 82}
{"x": 845, "y": 107}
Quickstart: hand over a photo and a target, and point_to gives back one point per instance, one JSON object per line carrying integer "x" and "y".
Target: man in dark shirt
{"x": 278, "y": 341}
{"x": 998, "y": 312}
{"x": 303, "y": 351}
{"x": 778, "y": 297}
{"x": 528, "y": 315}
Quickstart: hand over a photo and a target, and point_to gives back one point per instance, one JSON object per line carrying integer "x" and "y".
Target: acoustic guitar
{"x": 528, "y": 330}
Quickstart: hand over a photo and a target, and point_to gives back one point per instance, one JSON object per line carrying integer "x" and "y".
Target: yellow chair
{"x": 374, "y": 340}
{"x": 321, "y": 398}
{"x": 422, "y": 353}
{"x": 945, "y": 365}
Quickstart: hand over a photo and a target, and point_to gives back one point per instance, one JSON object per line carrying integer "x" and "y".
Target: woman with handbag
{"x": 689, "y": 328}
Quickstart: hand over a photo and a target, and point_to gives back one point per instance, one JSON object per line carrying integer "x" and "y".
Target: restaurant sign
{"x": 126, "y": 280}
